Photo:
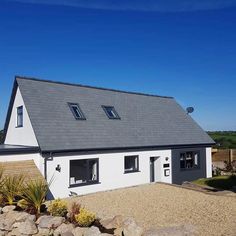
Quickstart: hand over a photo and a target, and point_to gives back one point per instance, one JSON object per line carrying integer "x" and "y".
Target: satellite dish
{"x": 189, "y": 110}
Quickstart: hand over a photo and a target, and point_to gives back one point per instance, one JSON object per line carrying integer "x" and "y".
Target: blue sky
{"x": 184, "y": 49}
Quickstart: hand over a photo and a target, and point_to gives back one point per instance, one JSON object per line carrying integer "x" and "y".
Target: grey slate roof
{"x": 146, "y": 120}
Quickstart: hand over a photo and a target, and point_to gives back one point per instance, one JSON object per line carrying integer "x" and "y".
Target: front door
{"x": 152, "y": 169}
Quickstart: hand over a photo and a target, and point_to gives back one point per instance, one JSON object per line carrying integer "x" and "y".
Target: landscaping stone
{"x": 67, "y": 234}
{"x": 28, "y": 227}
{"x": 113, "y": 223}
{"x": 44, "y": 232}
{"x": 63, "y": 228}
{"x": 14, "y": 232}
{"x": 50, "y": 222}
{"x": 6, "y": 222}
{"x": 79, "y": 231}
{"x": 131, "y": 228}
{"x": 8, "y": 208}
{"x": 23, "y": 216}
{"x": 93, "y": 231}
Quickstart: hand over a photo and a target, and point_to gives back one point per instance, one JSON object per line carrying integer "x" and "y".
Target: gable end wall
{"x": 23, "y": 135}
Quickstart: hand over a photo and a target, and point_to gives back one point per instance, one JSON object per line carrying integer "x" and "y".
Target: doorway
{"x": 153, "y": 169}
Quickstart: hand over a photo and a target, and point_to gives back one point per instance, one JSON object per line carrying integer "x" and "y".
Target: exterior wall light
{"x": 58, "y": 168}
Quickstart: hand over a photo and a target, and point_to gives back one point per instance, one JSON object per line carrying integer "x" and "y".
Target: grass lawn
{"x": 220, "y": 182}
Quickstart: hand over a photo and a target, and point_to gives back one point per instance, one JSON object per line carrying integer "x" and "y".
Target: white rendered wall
{"x": 36, "y": 157}
{"x": 111, "y": 172}
{"x": 208, "y": 163}
{"x": 21, "y": 135}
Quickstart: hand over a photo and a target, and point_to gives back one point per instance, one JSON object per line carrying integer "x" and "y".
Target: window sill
{"x": 20, "y": 126}
{"x": 131, "y": 171}
{"x": 83, "y": 184}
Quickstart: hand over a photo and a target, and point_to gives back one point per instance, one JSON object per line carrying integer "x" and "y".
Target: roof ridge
{"x": 89, "y": 86}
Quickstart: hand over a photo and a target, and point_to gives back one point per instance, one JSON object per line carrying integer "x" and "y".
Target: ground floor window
{"x": 83, "y": 172}
{"x": 131, "y": 164}
{"x": 189, "y": 160}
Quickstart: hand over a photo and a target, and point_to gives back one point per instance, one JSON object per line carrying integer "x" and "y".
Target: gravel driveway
{"x": 160, "y": 205}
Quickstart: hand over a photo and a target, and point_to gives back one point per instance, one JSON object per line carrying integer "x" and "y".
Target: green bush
{"x": 85, "y": 218}
{"x": 57, "y": 207}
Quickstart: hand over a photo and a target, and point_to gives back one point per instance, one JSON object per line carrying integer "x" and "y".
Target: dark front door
{"x": 152, "y": 169}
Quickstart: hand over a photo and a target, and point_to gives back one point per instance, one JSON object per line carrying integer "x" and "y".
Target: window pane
{"x": 189, "y": 160}
{"x": 83, "y": 171}
{"x": 76, "y": 111}
{"x": 182, "y": 160}
{"x": 78, "y": 172}
{"x": 111, "y": 112}
{"x": 93, "y": 170}
{"x": 131, "y": 163}
{"x": 20, "y": 116}
{"x": 196, "y": 159}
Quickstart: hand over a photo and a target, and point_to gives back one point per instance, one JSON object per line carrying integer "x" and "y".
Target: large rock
{"x": 79, "y": 231}
{"x": 8, "y": 208}
{"x": 63, "y": 228}
{"x": 50, "y": 222}
{"x": 3, "y": 233}
{"x": 93, "y": 231}
{"x": 6, "y": 221}
{"x": 44, "y": 232}
{"x": 14, "y": 232}
{"x": 129, "y": 228}
{"x": 28, "y": 227}
{"x": 23, "y": 216}
{"x": 132, "y": 229}
{"x": 113, "y": 223}
{"x": 67, "y": 234}
{"x": 182, "y": 230}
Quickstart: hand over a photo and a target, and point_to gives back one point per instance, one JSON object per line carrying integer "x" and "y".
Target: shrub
{"x": 34, "y": 193}
{"x": 12, "y": 188}
{"x": 58, "y": 207}
{"x": 85, "y": 218}
{"x": 74, "y": 209}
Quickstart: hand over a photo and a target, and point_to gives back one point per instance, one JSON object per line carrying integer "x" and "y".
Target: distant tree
{"x": 1, "y": 136}
{"x": 224, "y": 139}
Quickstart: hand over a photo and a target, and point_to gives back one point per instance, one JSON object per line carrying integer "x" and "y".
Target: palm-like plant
{"x": 34, "y": 193}
{"x": 11, "y": 187}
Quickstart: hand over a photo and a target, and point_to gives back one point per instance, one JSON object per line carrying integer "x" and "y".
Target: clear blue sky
{"x": 185, "y": 49}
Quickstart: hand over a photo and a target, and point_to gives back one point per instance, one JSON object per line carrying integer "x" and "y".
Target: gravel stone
{"x": 161, "y": 205}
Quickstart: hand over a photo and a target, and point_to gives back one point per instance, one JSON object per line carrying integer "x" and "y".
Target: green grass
{"x": 220, "y": 182}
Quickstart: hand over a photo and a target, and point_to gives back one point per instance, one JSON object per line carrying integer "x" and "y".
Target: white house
{"x": 93, "y": 139}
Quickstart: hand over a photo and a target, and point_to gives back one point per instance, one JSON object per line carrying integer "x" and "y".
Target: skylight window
{"x": 111, "y": 112}
{"x": 76, "y": 111}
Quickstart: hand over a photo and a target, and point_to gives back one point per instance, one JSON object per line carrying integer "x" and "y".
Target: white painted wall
{"x": 208, "y": 163}
{"x": 111, "y": 172}
{"x": 36, "y": 157}
{"x": 22, "y": 135}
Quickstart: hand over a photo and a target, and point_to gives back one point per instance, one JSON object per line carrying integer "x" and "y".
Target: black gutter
{"x": 26, "y": 150}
